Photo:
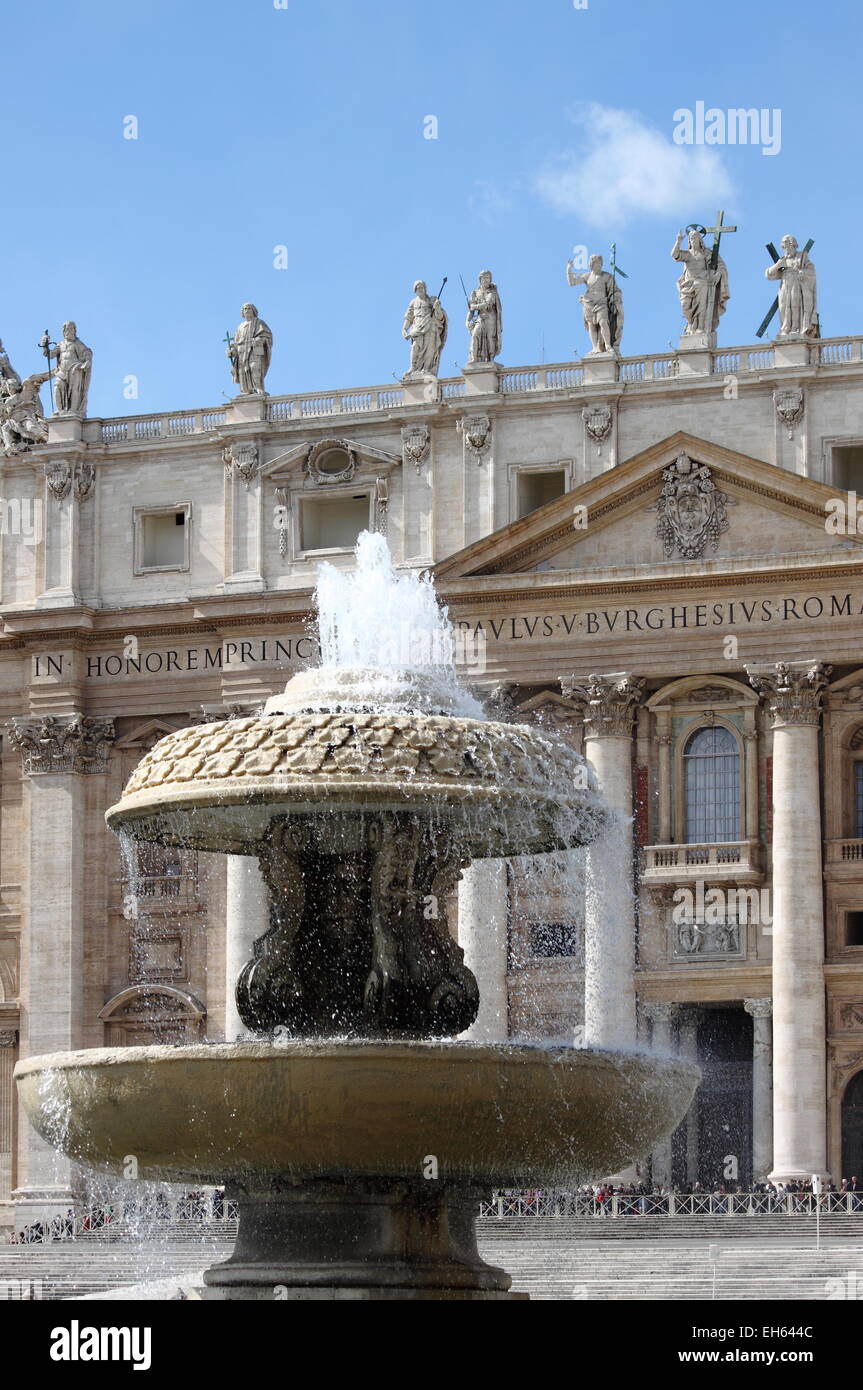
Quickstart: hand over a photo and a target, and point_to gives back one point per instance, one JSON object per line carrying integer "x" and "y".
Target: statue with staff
{"x": 74, "y": 367}
{"x": 250, "y": 351}
{"x": 425, "y": 328}
{"x": 602, "y": 302}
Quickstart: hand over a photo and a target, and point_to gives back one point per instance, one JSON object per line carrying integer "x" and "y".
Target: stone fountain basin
{"x": 503, "y": 788}
{"x": 497, "y": 1115}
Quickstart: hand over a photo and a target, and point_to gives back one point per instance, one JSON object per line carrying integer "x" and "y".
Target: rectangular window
{"x": 333, "y": 523}
{"x": 162, "y": 539}
{"x": 854, "y": 929}
{"x": 537, "y": 488}
{"x": 847, "y": 468}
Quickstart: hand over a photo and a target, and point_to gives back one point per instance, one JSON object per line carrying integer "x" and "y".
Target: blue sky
{"x": 304, "y": 127}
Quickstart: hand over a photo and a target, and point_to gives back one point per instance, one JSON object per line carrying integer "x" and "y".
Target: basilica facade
{"x": 658, "y": 556}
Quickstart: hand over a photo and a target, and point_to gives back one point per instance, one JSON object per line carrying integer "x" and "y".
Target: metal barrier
{"x": 671, "y": 1204}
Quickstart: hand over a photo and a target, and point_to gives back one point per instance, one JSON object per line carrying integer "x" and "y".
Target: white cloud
{"x": 624, "y": 168}
{"x": 489, "y": 202}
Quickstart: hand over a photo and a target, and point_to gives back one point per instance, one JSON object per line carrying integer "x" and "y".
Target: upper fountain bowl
{"x": 359, "y": 741}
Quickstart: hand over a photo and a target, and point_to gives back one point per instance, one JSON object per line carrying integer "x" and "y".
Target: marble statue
{"x": 798, "y": 300}
{"x": 72, "y": 379}
{"x": 703, "y": 292}
{"x": 425, "y": 327}
{"x": 250, "y": 351}
{"x": 602, "y": 303}
{"x": 484, "y": 320}
{"x": 22, "y": 419}
{"x": 9, "y": 378}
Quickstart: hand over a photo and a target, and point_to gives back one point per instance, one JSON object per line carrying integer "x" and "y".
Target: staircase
{"x": 641, "y": 1258}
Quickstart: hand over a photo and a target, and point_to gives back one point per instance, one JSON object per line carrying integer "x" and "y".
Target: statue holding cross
{"x": 798, "y": 299}
{"x": 703, "y": 286}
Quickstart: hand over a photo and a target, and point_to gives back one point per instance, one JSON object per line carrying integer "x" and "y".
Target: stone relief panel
{"x": 9, "y": 968}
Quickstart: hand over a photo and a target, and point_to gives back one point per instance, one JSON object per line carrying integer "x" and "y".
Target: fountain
{"x": 356, "y": 1135}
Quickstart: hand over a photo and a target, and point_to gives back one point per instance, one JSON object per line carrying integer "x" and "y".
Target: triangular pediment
{"x": 145, "y": 735}
{"x": 612, "y": 522}
{"x": 293, "y": 461}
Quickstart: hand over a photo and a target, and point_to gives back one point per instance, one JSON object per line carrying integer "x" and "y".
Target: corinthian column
{"x": 793, "y": 695}
{"x": 762, "y": 1086}
{"x": 609, "y": 968}
{"x": 57, "y": 754}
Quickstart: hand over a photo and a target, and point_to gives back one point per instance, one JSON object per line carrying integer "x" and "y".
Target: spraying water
{"x": 391, "y": 627}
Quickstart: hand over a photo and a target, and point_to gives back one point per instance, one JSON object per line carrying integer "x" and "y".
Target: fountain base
{"x": 370, "y": 1240}
{"x": 358, "y": 1166}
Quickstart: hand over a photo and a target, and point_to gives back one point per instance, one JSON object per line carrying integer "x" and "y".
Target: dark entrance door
{"x": 725, "y": 1098}
{"x": 852, "y": 1129}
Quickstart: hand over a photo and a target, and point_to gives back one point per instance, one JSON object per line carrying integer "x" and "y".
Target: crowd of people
{"x": 645, "y": 1199}
{"x": 153, "y": 1208}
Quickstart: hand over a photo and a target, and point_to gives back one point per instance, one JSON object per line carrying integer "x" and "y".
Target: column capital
{"x": 792, "y": 689}
{"x": 758, "y": 1008}
{"x": 609, "y": 702}
{"x": 69, "y": 744}
{"x": 8, "y": 1037}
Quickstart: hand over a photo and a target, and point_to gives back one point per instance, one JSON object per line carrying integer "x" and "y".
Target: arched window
{"x": 711, "y": 786}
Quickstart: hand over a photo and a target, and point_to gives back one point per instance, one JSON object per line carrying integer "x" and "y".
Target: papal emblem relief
{"x": 477, "y": 433}
{"x": 692, "y": 510}
{"x": 416, "y": 440}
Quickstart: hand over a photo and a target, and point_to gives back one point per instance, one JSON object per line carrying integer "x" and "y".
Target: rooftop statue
{"x": 74, "y": 367}
{"x": 602, "y": 303}
{"x": 484, "y": 320}
{"x": 22, "y": 419}
{"x": 9, "y": 378}
{"x": 798, "y": 297}
{"x": 425, "y": 327}
{"x": 703, "y": 288}
{"x": 250, "y": 351}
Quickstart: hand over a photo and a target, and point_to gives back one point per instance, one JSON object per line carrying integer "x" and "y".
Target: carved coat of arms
{"x": 416, "y": 440}
{"x": 692, "y": 510}
{"x": 477, "y": 433}
{"x": 243, "y": 458}
{"x": 597, "y": 422}
{"x": 59, "y": 479}
{"x": 789, "y": 406}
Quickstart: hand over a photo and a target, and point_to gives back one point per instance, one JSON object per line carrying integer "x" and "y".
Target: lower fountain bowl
{"x": 490, "y": 1115}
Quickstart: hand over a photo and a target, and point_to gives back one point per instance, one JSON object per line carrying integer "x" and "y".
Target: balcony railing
{"x": 518, "y": 381}
{"x": 843, "y": 859}
{"x": 737, "y": 861}
{"x": 845, "y": 852}
{"x": 160, "y": 889}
